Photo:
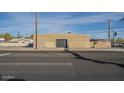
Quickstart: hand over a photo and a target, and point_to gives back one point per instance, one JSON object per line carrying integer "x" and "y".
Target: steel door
{"x": 61, "y": 43}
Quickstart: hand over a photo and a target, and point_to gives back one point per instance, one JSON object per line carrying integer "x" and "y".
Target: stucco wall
{"x": 74, "y": 40}
{"x": 100, "y": 44}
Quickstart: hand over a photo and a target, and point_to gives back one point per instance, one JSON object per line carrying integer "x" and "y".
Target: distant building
{"x": 18, "y": 42}
{"x": 2, "y": 40}
{"x": 100, "y": 43}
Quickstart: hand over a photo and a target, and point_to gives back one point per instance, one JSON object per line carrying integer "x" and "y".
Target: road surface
{"x": 62, "y": 66}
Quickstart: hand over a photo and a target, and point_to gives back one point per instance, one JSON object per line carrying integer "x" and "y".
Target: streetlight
{"x": 114, "y": 35}
{"x": 122, "y": 19}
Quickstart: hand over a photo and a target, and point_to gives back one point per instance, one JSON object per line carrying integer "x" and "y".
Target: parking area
{"x": 63, "y": 66}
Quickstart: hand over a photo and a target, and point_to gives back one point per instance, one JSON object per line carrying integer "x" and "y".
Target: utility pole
{"x": 36, "y": 21}
{"x": 109, "y": 30}
{"x": 18, "y": 35}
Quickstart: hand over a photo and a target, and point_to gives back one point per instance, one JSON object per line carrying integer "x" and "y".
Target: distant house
{"x": 21, "y": 40}
{"x": 18, "y": 42}
{"x": 2, "y": 39}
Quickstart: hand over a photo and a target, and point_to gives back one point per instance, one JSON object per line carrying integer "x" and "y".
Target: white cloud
{"x": 24, "y": 23}
{"x": 66, "y": 20}
{"x": 104, "y": 33}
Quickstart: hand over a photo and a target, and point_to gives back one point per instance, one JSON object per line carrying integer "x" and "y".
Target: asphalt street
{"x": 62, "y": 66}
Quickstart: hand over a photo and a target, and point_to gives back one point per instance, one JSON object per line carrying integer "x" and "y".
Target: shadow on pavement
{"x": 93, "y": 60}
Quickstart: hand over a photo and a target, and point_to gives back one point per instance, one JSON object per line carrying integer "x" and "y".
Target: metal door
{"x": 61, "y": 43}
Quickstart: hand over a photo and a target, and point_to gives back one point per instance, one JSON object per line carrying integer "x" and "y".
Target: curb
{"x": 59, "y": 50}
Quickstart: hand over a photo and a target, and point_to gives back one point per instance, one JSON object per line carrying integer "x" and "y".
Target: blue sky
{"x": 91, "y": 23}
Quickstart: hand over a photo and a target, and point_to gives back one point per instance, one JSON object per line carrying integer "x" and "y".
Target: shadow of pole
{"x": 93, "y": 60}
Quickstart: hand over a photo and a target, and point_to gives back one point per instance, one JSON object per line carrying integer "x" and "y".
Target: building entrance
{"x": 61, "y": 43}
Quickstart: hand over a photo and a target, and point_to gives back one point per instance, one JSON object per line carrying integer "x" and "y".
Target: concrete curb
{"x": 61, "y": 49}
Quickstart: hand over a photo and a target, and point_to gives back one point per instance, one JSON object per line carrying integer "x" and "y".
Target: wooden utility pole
{"x": 36, "y": 30}
{"x": 18, "y": 35}
{"x": 109, "y": 30}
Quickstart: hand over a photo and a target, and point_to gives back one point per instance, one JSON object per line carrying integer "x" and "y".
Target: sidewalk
{"x": 93, "y": 49}
{"x": 54, "y": 49}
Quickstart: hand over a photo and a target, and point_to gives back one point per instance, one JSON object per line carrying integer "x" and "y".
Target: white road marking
{"x": 43, "y": 55}
{"x": 39, "y": 64}
{"x": 7, "y": 77}
{"x": 5, "y": 54}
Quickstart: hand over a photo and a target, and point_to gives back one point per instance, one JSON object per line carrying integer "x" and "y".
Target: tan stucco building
{"x": 68, "y": 40}
{"x": 62, "y": 41}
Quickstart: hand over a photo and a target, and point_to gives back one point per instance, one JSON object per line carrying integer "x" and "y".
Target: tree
{"x": 120, "y": 40}
{"x": 31, "y": 36}
{"x": 7, "y": 36}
